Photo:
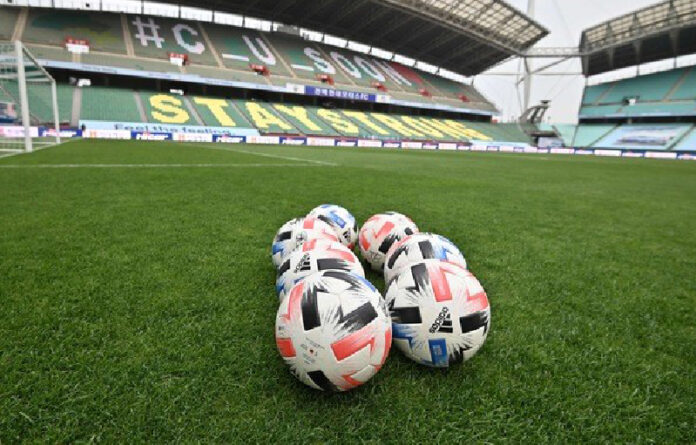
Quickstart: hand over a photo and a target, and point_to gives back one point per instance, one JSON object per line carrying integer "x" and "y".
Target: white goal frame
{"x": 16, "y": 54}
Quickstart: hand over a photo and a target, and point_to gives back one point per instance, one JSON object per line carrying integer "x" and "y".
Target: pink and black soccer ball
{"x": 333, "y": 331}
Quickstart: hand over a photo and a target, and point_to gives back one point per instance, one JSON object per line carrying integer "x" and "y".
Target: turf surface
{"x": 137, "y": 301}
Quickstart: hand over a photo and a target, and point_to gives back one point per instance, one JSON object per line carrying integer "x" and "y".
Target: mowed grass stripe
{"x": 138, "y": 306}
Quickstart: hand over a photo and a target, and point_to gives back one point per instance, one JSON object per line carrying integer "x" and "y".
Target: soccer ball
{"x": 333, "y": 330}
{"x": 379, "y": 233}
{"x": 295, "y": 232}
{"x": 440, "y": 313}
{"x": 419, "y": 247}
{"x": 341, "y": 220}
{"x": 300, "y": 264}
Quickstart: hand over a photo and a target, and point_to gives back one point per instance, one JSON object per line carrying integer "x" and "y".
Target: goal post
{"x": 29, "y": 115}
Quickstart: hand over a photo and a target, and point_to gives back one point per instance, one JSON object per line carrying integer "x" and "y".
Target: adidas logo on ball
{"x": 443, "y": 322}
{"x": 304, "y": 264}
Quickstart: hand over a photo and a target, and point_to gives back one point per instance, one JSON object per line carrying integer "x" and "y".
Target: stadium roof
{"x": 464, "y": 36}
{"x": 661, "y": 31}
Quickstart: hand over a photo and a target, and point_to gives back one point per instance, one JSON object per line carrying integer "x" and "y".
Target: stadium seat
{"x": 166, "y": 109}
{"x": 688, "y": 143}
{"x": 651, "y": 87}
{"x": 226, "y": 52}
{"x": 109, "y": 104}
{"x": 39, "y": 96}
{"x": 566, "y": 132}
{"x": 657, "y": 108}
{"x": 587, "y": 134}
{"x": 687, "y": 89}
{"x": 305, "y": 120}
{"x": 8, "y": 18}
{"x": 265, "y": 118}
{"x": 53, "y": 26}
{"x": 239, "y": 47}
{"x": 50, "y": 53}
{"x": 594, "y": 93}
{"x": 600, "y": 110}
{"x": 217, "y": 112}
{"x": 156, "y": 37}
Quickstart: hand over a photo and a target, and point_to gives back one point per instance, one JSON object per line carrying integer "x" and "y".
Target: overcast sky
{"x": 565, "y": 19}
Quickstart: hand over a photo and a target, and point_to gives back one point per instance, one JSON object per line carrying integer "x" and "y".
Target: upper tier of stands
{"x": 143, "y": 43}
{"x": 668, "y": 93}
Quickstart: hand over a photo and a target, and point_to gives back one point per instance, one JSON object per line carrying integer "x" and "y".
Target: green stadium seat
{"x": 305, "y": 120}
{"x": 8, "y": 19}
{"x": 210, "y": 47}
{"x": 292, "y": 49}
{"x": 265, "y": 118}
{"x": 594, "y": 93}
{"x": 600, "y": 110}
{"x": 566, "y": 131}
{"x": 162, "y": 108}
{"x": 339, "y": 124}
{"x": 50, "y": 53}
{"x": 156, "y": 37}
{"x": 234, "y": 45}
{"x": 109, "y": 104}
{"x": 671, "y": 108}
{"x": 40, "y": 102}
{"x": 688, "y": 143}
{"x": 53, "y": 26}
{"x": 588, "y": 134}
{"x": 652, "y": 87}
{"x": 217, "y": 112}
{"x": 687, "y": 89}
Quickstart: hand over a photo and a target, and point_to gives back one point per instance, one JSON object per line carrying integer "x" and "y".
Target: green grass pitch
{"x": 137, "y": 300}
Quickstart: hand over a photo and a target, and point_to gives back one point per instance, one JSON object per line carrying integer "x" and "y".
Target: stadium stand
{"x": 218, "y": 112}
{"x": 42, "y": 52}
{"x": 687, "y": 89}
{"x": 565, "y": 131}
{"x": 40, "y": 103}
{"x": 52, "y": 26}
{"x": 668, "y": 93}
{"x": 8, "y": 18}
{"x": 166, "y": 109}
{"x": 225, "y": 52}
{"x": 594, "y": 93}
{"x": 600, "y": 110}
{"x": 129, "y": 106}
{"x": 652, "y": 87}
{"x": 122, "y": 105}
{"x": 688, "y": 143}
{"x": 587, "y": 134}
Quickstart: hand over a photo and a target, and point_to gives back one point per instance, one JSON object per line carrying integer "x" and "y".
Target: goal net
{"x": 28, "y": 102}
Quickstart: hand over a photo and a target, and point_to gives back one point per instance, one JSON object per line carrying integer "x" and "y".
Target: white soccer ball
{"x": 301, "y": 264}
{"x": 333, "y": 330}
{"x": 440, "y": 313}
{"x": 342, "y": 221}
{"x": 295, "y": 232}
{"x": 419, "y": 247}
{"x": 380, "y": 232}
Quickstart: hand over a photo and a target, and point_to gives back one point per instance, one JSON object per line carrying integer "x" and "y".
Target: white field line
{"x": 268, "y": 155}
{"x": 250, "y": 165}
